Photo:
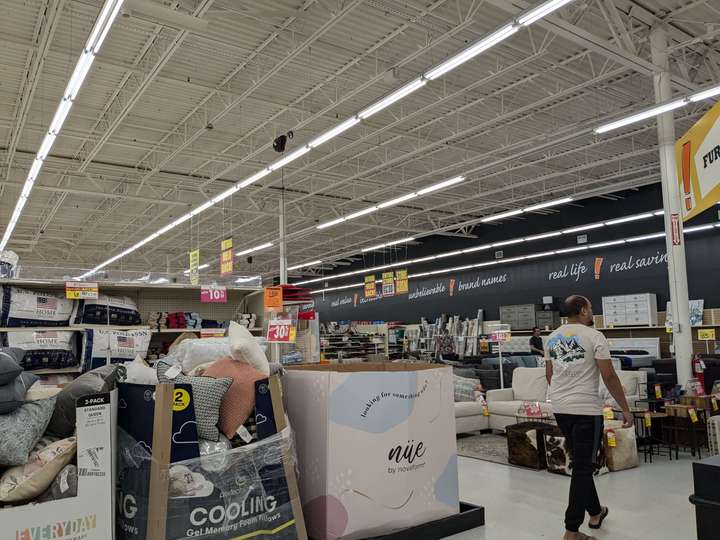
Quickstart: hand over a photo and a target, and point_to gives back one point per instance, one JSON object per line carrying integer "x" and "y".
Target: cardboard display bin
{"x": 376, "y": 446}
{"x": 90, "y": 515}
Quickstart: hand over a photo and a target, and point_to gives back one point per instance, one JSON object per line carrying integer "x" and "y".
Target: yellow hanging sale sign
{"x": 697, "y": 156}
{"x": 226, "y": 257}
{"x": 401, "y": 281}
{"x": 194, "y": 264}
{"x": 370, "y": 291}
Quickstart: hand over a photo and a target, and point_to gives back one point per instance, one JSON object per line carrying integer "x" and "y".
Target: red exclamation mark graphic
{"x": 598, "y": 267}
{"x": 687, "y": 187}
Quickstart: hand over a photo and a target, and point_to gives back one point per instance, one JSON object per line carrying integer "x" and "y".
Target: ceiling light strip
{"x": 305, "y": 265}
{"x": 389, "y": 244}
{"x": 485, "y": 43}
{"x": 499, "y": 244}
{"x": 102, "y": 26}
{"x": 599, "y": 245}
{"x": 533, "y": 208}
{"x": 657, "y": 110}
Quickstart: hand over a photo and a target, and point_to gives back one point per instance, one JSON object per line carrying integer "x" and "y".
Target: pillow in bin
{"x": 63, "y": 487}
{"x": 245, "y": 348}
{"x": 10, "y": 364}
{"x": 21, "y": 429}
{"x": 12, "y": 395}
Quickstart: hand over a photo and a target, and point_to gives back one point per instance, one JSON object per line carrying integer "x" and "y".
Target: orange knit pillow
{"x": 239, "y": 401}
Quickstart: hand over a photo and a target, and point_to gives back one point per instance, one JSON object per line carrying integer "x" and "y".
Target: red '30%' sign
{"x": 281, "y": 331}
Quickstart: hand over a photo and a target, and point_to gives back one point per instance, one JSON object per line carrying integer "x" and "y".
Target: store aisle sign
{"x": 194, "y": 257}
{"x": 281, "y": 331}
{"x": 401, "y": 281}
{"x": 75, "y": 290}
{"x": 706, "y": 334}
{"x": 388, "y": 284}
{"x": 697, "y": 155}
{"x": 370, "y": 290}
{"x": 226, "y": 257}
{"x": 213, "y": 294}
{"x": 273, "y": 298}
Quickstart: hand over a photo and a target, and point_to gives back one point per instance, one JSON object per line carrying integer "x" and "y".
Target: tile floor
{"x": 520, "y": 504}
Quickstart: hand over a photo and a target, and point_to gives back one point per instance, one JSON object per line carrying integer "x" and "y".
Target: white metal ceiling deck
{"x": 137, "y": 150}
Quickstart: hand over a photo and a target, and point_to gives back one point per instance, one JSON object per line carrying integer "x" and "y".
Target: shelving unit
{"x": 359, "y": 347}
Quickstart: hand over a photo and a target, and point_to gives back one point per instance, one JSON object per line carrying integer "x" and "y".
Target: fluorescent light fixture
{"x": 204, "y": 206}
{"x": 503, "y": 215}
{"x": 659, "y": 213}
{"x": 388, "y": 244}
{"x": 100, "y": 29}
{"x": 305, "y": 265}
{"x": 542, "y": 236}
{"x": 646, "y": 237}
{"x": 541, "y": 11}
{"x": 477, "y": 248}
{"x": 441, "y": 185}
{"x": 246, "y": 279}
{"x": 254, "y": 249}
{"x": 698, "y": 228}
{"x": 330, "y": 223}
{"x": 449, "y": 254}
{"x": 512, "y": 259}
{"x": 397, "y": 200}
{"x": 354, "y": 285}
{"x": 607, "y": 244}
{"x": 472, "y": 51}
{"x": 255, "y": 177}
{"x": 391, "y": 98}
{"x": 333, "y": 132}
{"x": 571, "y": 250}
{"x": 705, "y": 94}
{"x": 292, "y": 156}
{"x": 201, "y": 267}
{"x": 584, "y": 228}
{"x": 536, "y": 255}
{"x": 508, "y": 242}
{"x": 629, "y": 218}
{"x": 483, "y": 264}
{"x": 642, "y": 115}
{"x": 364, "y": 211}
{"x": 158, "y": 281}
{"x": 423, "y": 259}
{"x": 548, "y": 204}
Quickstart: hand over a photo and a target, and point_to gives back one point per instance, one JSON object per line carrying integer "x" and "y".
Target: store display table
{"x": 680, "y": 431}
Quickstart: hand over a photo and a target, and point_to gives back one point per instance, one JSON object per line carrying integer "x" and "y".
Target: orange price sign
{"x": 273, "y": 297}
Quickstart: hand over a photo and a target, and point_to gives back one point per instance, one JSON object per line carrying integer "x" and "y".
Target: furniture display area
{"x": 469, "y": 417}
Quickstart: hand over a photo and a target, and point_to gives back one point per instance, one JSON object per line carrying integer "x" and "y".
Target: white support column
{"x": 283, "y": 252}
{"x": 677, "y": 268}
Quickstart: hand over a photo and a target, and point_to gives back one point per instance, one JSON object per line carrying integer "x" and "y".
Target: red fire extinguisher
{"x": 698, "y": 368}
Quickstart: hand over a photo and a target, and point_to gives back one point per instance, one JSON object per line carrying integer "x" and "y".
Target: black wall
{"x": 634, "y": 268}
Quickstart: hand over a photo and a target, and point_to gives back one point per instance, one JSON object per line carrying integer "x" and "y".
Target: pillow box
{"x": 244, "y": 348}
{"x": 207, "y": 394}
{"x": 97, "y": 381}
{"x": 101, "y": 347}
{"x": 623, "y": 455}
{"x": 10, "y": 360}
{"x": 119, "y": 310}
{"x": 51, "y": 349}
{"x": 21, "y": 429}
{"x": 63, "y": 487}
{"x": 25, "y": 482}
{"x": 22, "y": 307}
{"x": 12, "y": 396}
{"x": 190, "y": 353}
{"x": 238, "y": 402}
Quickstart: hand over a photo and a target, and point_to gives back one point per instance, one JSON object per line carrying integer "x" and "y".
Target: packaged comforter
{"x": 50, "y": 349}
{"x": 23, "y": 307}
{"x": 101, "y": 347}
{"x": 117, "y": 310}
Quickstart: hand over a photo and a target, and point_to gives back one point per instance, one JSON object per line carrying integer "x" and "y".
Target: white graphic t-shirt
{"x": 573, "y": 349}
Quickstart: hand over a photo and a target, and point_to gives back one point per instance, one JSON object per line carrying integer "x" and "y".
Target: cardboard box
{"x": 376, "y": 446}
{"x": 91, "y": 514}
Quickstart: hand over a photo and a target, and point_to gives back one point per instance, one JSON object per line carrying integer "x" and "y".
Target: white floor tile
{"x": 520, "y": 504}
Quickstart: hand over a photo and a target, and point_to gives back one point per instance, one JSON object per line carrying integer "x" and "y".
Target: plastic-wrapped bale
{"x": 526, "y": 444}
{"x": 22, "y": 307}
{"x": 51, "y": 349}
{"x": 102, "y": 347}
{"x": 118, "y": 310}
{"x": 622, "y": 454}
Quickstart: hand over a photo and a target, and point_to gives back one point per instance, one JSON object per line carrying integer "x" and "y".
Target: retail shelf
{"x": 117, "y": 285}
{"x": 58, "y": 371}
{"x": 74, "y": 328}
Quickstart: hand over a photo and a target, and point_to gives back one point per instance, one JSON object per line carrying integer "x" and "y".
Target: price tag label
{"x": 212, "y": 332}
{"x": 210, "y": 294}
{"x": 273, "y": 298}
{"x": 281, "y": 331}
{"x": 693, "y": 415}
{"x": 76, "y": 290}
{"x": 173, "y": 371}
{"x": 612, "y": 441}
{"x": 714, "y": 404}
{"x": 658, "y": 391}
{"x": 486, "y": 411}
{"x": 608, "y": 413}
{"x": 648, "y": 419}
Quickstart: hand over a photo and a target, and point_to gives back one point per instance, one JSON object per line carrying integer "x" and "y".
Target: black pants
{"x": 583, "y": 434}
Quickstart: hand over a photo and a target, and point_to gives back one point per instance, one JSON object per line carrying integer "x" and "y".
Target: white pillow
{"x": 244, "y": 348}
{"x": 139, "y": 372}
{"x": 190, "y": 353}
{"x": 40, "y": 391}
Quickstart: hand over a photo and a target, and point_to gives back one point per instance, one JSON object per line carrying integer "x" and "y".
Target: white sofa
{"x": 469, "y": 417}
{"x": 530, "y": 384}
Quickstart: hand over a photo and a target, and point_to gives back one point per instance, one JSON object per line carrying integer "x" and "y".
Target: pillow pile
{"x": 244, "y": 348}
{"x": 466, "y": 389}
{"x": 14, "y": 382}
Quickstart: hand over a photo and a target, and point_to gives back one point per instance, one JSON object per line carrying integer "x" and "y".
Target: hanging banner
{"x": 401, "y": 282}
{"x": 388, "y": 284}
{"x": 697, "y": 155}
{"x": 194, "y": 264}
{"x": 77, "y": 290}
{"x": 370, "y": 291}
{"x": 273, "y": 298}
{"x": 226, "y": 257}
